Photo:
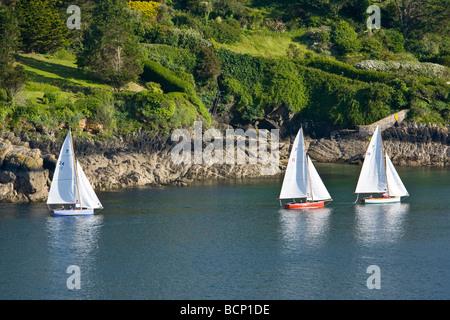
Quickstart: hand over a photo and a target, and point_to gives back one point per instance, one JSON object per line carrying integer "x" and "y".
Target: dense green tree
{"x": 12, "y": 77}
{"x": 41, "y": 26}
{"x": 417, "y": 17}
{"x": 110, "y": 49}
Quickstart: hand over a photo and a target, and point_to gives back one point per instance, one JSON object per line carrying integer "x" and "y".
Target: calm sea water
{"x": 231, "y": 240}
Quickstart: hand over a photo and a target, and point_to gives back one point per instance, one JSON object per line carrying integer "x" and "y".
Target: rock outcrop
{"x": 27, "y": 165}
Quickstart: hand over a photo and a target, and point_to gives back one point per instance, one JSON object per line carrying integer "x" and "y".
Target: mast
{"x": 76, "y": 170}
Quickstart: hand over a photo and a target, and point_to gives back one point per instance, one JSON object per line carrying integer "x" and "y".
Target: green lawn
{"x": 49, "y": 74}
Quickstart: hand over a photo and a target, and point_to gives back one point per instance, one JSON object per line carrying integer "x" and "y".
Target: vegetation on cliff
{"x": 161, "y": 65}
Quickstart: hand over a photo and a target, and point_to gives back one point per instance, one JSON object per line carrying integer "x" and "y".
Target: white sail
{"x": 63, "y": 189}
{"x": 395, "y": 184}
{"x": 319, "y": 191}
{"x": 88, "y": 197}
{"x": 296, "y": 182}
{"x": 372, "y": 178}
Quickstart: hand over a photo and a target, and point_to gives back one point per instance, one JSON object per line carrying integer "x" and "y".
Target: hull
{"x": 380, "y": 200}
{"x": 77, "y": 212}
{"x": 305, "y": 205}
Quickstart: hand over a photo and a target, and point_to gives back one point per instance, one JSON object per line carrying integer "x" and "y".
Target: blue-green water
{"x": 231, "y": 240}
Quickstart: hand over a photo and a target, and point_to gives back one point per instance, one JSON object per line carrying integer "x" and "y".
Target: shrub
{"x": 223, "y": 32}
{"x": 148, "y": 8}
{"x": 371, "y": 48}
{"x": 391, "y": 39}
{"x": 186, "y": 38}
{"x": 153, "y": 87}
{"x": 50, "y": 98}
{"x": 318, "y": 39}
{"x": 345, "y": 38}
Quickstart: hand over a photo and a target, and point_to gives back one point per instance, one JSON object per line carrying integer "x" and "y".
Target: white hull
{"x": 77, "y": 212}
{"x": 380, "y": 200}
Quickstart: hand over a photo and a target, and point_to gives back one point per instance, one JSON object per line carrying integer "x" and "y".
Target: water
{"x": 231, "y": 240}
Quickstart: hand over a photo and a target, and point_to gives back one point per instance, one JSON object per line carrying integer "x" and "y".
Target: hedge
{"x": 172, "y": 82}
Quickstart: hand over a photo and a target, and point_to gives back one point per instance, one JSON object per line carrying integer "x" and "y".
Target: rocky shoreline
{"x": 140, "y": 160}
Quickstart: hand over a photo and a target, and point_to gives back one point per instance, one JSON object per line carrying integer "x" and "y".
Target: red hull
{"x": 305, "y": 205}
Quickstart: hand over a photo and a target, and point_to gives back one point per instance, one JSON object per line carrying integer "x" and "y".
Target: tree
{"x": 12, "y": 77}
{"x": 110, "y": 49}
{"x": 209, "y": 66}
{"x": 41, "y": 27}
{"x": 420, "y": 16}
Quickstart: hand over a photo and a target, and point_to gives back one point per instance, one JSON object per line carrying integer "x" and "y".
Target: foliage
{"x": 345, "y": 38}
{"x": 174, "y": 82}
{"x": 111, "y": 54}
{"x": 148, "y": 8}
{"x": 41, "y": 27}
{"x": 12, "y": 77}
{"x": 209, "y": 66}
{"x": 173, "y": 58}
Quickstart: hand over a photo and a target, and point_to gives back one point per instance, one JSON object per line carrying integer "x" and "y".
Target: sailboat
{"x": 378, "y": 175}
{"x": 302, "y": 181}
{"x": 70, "y": 191}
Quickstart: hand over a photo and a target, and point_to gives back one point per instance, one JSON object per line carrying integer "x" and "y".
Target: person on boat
{"x": 62, "y": 208}
{"x": 70, "y": 208}
{"x": 385, "y": 195}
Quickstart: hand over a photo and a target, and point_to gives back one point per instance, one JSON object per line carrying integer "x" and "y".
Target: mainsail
{"x": 372, "y": 178}
{"x": 296, "y": 182}
{"x": 63, "y": 189}
{"x": 301, "y": 179}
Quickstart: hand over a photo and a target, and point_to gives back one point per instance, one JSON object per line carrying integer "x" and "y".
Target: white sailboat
{"x": 302, "y": 181}
{"x": 378, "y": 175}
{"x": 70, "y": 191}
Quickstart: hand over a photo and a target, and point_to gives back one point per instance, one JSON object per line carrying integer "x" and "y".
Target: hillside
{"x": 258, "y": 63}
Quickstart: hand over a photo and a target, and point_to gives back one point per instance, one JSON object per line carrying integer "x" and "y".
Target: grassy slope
{"x": 49, "y": 74}
{"x": 268, "y": 44}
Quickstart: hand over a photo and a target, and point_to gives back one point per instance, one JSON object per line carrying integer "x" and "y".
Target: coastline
{"x": 141, "y": 160}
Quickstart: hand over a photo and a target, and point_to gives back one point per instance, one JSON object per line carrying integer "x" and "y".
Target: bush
{"x": 148, "y": 8}
{"x": 186, "y": 38}
{"x": 391, "y": 39}
{"x": 153, "y": 87}
{"x": 223, "y": 32}
{"x": 50, "y": 98}
{"x": 345, "y": 38}
{"x": 318, "y": 39}
{"x": 371, "y": 48}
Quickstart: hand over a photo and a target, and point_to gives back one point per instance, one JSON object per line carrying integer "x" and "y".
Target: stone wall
{"x": 385, "y": 123}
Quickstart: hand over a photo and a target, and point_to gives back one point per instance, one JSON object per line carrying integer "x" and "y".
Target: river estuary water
{"x": 231, "y": 240}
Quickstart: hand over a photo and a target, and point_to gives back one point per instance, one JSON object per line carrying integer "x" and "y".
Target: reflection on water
{"x": 304, "y": 226}
{"x": 73, "y": 240}
{"x": 380, "y": 222}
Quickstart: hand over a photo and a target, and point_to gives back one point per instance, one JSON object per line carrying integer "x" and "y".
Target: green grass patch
{"x": 268, "y": 44}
